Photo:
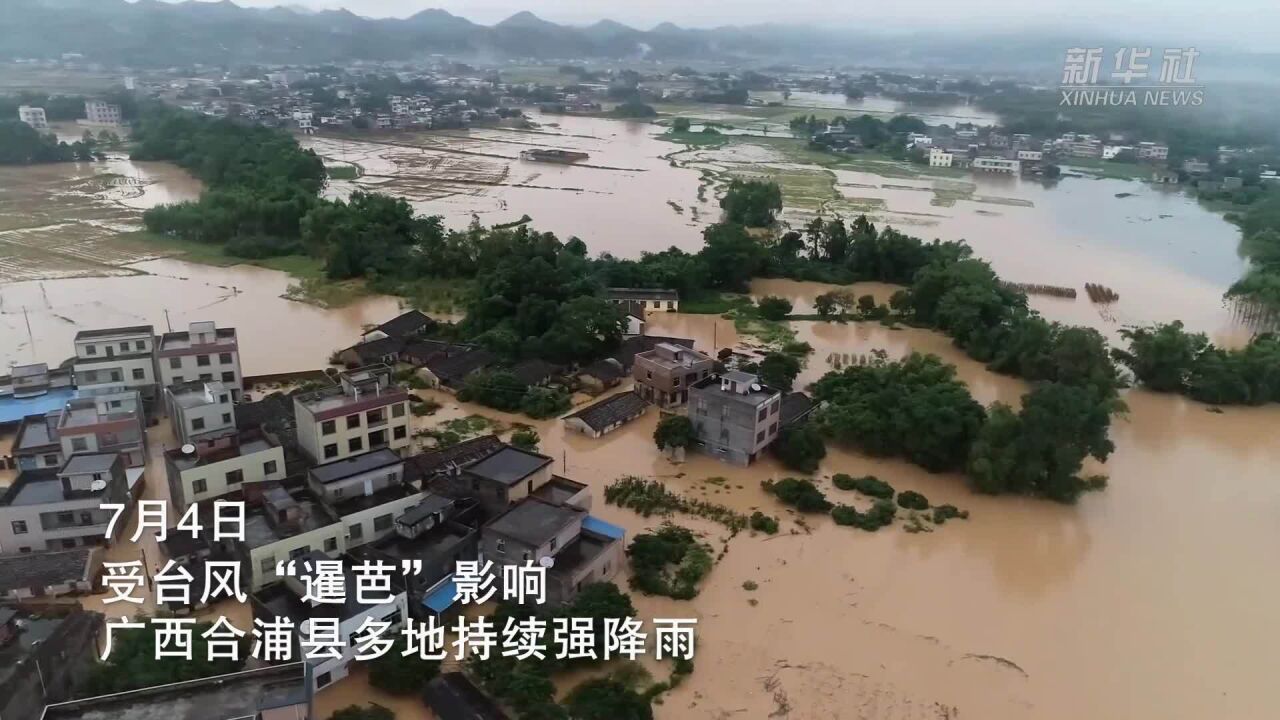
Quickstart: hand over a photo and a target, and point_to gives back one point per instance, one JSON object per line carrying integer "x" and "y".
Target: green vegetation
{"x": 779, "y": 370}
{"x": 133, "y": 664}
{"x": 868, "y": 485}
{"x": 674, "y": 431}
{"x": 912, "y": 500}
{"x": 915, "y": 408}
{"x": 669, "y": 562}
{"x": 800, "y": 494}
{"x": 607, "y": 699}
{"x": 1167, "y": 358}
{"x": 774, "y": 308}
{"x": 343, "y": 172}
{"x": 526, "y": 438}
{"x": 633, "y": 109}
{"x": 764, "y": 523}
{"x": 20, "y": 144}
{"x": 401, "y": 674}
{"x": 501, "y": 390}
{"x": 753, "y": 203}
{"x": 800, "y": 448}
{"x": 943, "y": 513}
{"x": 650, "y": 497}
{"x": 880, "y": 515}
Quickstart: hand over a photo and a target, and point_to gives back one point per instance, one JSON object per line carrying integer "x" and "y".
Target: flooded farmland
{"x": 1144, "y": 600}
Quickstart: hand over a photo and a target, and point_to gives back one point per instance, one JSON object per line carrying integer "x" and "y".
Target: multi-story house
{"x": 584, "y": 549}
{"x": 223, "y": 466}
{"x": 203, "y": 352}
{"x": 289, "y": 600}
{"x": 33, "y": 116}
{"x": 36, "y": 444}
{"x": 363, "y": 474}
{"x": 997, "y": 164}
{"x": 365, "y": 411}
{"x": 940, "y": 157}
{"x": 497, "y": 480}
{"x": 663, "y": 375}
{"x": 97, "y": 112}
{"x": 59, "y": 509}
{"x": 123, "y": 356}
{"x": 200, "y": 411}
{"x": 734, "y": 416}
{"x": 110, "y": 421}
{"x": 1152, "y": 151}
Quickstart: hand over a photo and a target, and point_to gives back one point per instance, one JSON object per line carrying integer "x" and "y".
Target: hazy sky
{"x": 1194, "y": 20}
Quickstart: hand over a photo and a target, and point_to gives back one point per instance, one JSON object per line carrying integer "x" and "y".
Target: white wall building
{"x": 997, "y": 164}
{"x": 33, "y": 116}
{"x": 204, "y": 352}
{"x": 1030, "y": 155}
{"x": 365, "y": 412}
{"x": 122, "y": 356}
{"x": 940, "y": 158}
{"x": 222, "y": 467}
{"x": 97, "y": 112}
{"x": 200, "y": 412}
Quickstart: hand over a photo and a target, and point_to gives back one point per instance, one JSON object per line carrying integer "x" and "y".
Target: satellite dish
{"x": 188, "y": 449}
{"x": 756, "y": 387}
{"x": 546, "y": 561}
{"x": 97, "y": 485}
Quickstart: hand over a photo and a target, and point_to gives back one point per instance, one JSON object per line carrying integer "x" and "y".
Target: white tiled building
{"x": 33, "y": 116}
{"x": 204, "y": 352}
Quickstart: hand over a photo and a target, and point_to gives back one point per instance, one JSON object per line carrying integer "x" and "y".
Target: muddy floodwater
{"x": 946, "y": 114}
{"x": 1147, "y": 600}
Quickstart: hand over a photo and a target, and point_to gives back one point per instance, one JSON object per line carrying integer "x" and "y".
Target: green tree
{"x": 751, "y": 202}
{"x": 680, "y": 124}
{"x": 401, "y": 674}
{"x": 779, "y": 370}
{"x": 800, "y": 448}
{"x": 526, "y": 438}
{"x": 1161, "y": 358}
{"x": 730, "y": 255}
{"x": 674, "y": 431}
{"x": 774, "y": 308}
{"x": 607, "y": 699}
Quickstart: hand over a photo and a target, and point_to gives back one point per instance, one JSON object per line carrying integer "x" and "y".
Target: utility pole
{"x": 166, "y": 320}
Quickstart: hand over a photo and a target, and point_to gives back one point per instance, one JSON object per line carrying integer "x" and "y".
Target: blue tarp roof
{"x": 600, "y": 527}
{"x": 442, "y": 597}
{"x": 12, "y": 408}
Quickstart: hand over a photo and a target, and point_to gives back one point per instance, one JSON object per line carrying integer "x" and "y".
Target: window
{"x": 657, "y": 304}
{"x": 353, "y": 421}
{"x": 337, "y": 493}
{"x": 124, "y": 347}
{"x": 355, "y": 532}
{"x": 323, "y": 679}
{"x": 224, "y": 358}
{"x": 773, "y": 409}
{"x": 175, "y": 363}
{"x": 330, "y": 544}
{"x": 554, "y": 541}
{"x": 86, "y": 517}
{"x": 675, "y": 382}
{"x": 355, "y": 444}
{"x": 228, "y": 376}
{"x": 500, "y": 546}
{"x": 760, "y": 436}
{"x": 331, "y": 450}
{"x": 267, "y": 564}
{"x": 397, "y": 410}
{"x": 91, "y": 376}
{"x": 115, "y": 376}
{"x": 66, "y": 518}
{"x": 177, "y": 379}
{"x": 115, "y": 404}
{"x": 68, "y": 543}
{"x": 140, "y": 345}
{"x": 376, "y": 417}
{"x": 223, "y": 398}
{"x": 226, "y": 418}
{"x": 269, "y": 467}
{"x": 773, "y": 429}
{"x": 671, "y": 304}
{"x": 764, "y": 412}
{"x": 79, "y": 444}
{"x": 327, "y": 427}
{"x": 298, "y": 552}
{"x": 400, "y": 432}
{"x": 235, "y": 477}
{"x": 203, "y": 361}
{"x": 197, "y": 423}
{"x": 206, "y": 377}
{"x": 24, "y": 550}
{"x": 19, "y": 527}
{"x": 90, "y": 349}
{"x": 51, "y": 460}
{"x": 199, "y": 486}
{"x": 377, "y": 439}
{"x": 139, "y": 374}
{"x": 382, "y": 522}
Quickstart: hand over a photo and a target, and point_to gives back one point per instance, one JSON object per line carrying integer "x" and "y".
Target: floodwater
{"x": 626, "y": 197}
{"x": 949, "y": 114}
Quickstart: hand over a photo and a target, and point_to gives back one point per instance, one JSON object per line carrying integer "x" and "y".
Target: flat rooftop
{"x": 235, "y": 696}
{"x": 509, "y": 465}
{"x": 196, "y": 393}
{"x": 223, "y": 337}
{"x": 37, "y": 431}
{"x": 534, "y": 522}
{"x": 559, "y": 490}
{"x": 249, "y": 443}
{"x": 41, "y": 487}
{"x": 14, "y": 409}
{"x": 711, "y": 384}
{"x": 349, "y": 467}
{"x": 130, "y": 331}
{"x": 84, "y": 463}
{"x": 259, "y": 532}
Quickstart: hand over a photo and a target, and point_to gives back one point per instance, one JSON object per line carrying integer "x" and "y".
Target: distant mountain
{"x": 154, "y": 33}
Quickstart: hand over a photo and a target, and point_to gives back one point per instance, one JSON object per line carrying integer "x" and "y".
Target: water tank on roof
{"x": 188, "y": 449}
{"x": 98, "y": 485}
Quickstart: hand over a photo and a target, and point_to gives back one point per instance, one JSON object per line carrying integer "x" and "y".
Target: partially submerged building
{"x": 202, "y": 352}
{"x": 200, "y": 411}
{"x": 49, "y": 574}
{"x": 735, "y": 417}
{"x": 222, "y": 467}
{"x": 62, "y": 509}
{"x": 44, "y": 658}
{"x": 607, "y": 415}
{"x": 366, "y": 411}
{"x": 109, "y": 421}
{"x": 120, "y": 356}
{"x": 655, "y": 299}
{"x": 664, "y": 374}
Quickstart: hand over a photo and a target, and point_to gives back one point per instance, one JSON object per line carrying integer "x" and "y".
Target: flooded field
{"x": 624, "y": 198}
{"x": 881, "y": 106}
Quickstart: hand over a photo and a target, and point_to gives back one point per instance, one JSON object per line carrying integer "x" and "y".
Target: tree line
{"x": 21, "y": 144}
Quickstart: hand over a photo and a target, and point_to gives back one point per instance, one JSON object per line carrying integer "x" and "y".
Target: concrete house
{"x": 734, "y": 416}
{"x": 501, "y": 478}
{"x": 607, "y": 415}
{"x": 363, "y": 474}
{"x": 122, "y": 356}
{"x": 654, "y": 299}
{"x": 584, "y": 549}
{"x": 663, "y": 375}
{"x": 366, "y": 411}
{"x": 106, "y": 422}
{"x": 411, "y": 324}
{"x": 222, "y": 467}
{"x": 200, "y": 411}
{"x": 36, "y": 444}
{"x": 203, "y": 352}
{"x": 49, "y": 574}
{"x": 285, "y": 600}
{"x": 98, "y": 112}
{"x": 60, "y": 510}
{"x": 33, "y": 116}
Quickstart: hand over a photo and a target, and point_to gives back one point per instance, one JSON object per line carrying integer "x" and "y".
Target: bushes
{"x": 526, "y": 438}
{"x": 763, "y": 523}
{"x": 675, "y": 431}
{"x": 943, "y": 513}
{"x": 868, "y": 485}
{"x": 912, "y": 500}
{"x": 880, "y": 515}
{"x": 607, "y": 699}
{"x": 541, "y": 402}
{"x": 774, "y": 308}
{"x": 401, "y": 674}
{"x": 648, "y": 497}
{"x": 669, "y": 562}
{"x": 803, "y": 495}
{"x": 800, "y": 448}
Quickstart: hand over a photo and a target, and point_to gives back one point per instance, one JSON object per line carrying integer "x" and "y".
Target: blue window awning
{"x": 440, "y": 599}
{"x": 600, "y": 527}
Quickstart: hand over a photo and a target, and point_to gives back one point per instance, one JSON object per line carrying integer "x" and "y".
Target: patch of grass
{"x": 1110, "y": 168}
{"x": 699, "y": 139}
{"x": 764, "y": 523}
{"x": 651, "y": 497}
{"x": 343, "y": 172}
{"x": 714, "y": 304}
